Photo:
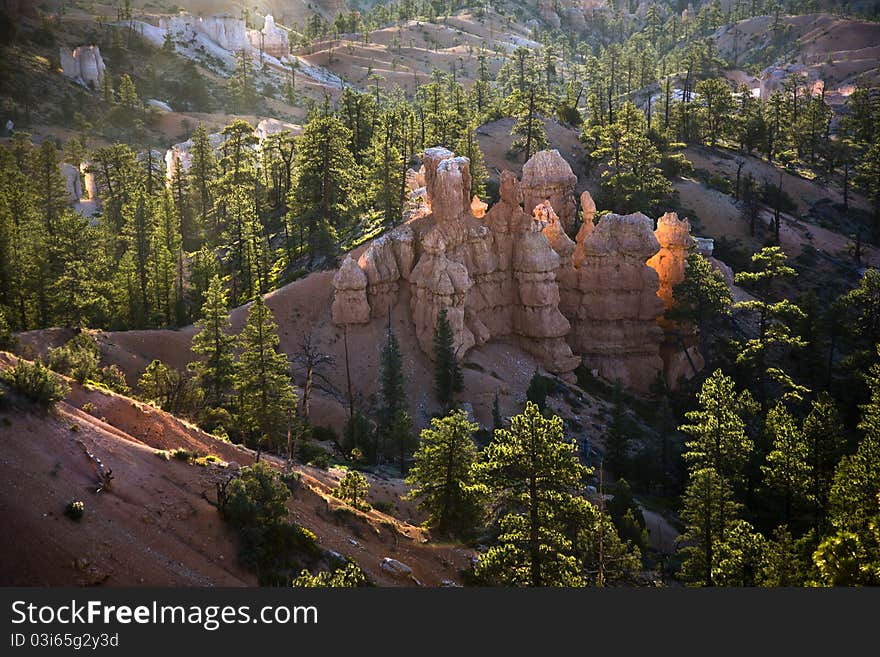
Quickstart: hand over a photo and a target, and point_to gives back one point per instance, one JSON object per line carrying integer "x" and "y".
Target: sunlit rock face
{"x": 548, "y": 177}
{"x": 674, "y": 236}
{"x": 72, "y": 181}
{"x": 83, "y": 64}
{"x": 514, "y": 272}
{"x": 350, "y": 304}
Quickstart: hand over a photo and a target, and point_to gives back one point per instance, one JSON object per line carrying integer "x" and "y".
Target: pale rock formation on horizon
{"x": 271, "y": 39}
{"x": 83, "y": 64}
{"x": 226, "y": 31}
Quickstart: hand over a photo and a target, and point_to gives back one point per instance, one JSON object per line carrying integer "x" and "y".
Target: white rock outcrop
{"x": 83, "y": 64}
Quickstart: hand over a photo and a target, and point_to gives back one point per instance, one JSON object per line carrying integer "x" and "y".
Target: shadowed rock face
{"x": 610, "y": 297}
{"x": 516, "y": 273}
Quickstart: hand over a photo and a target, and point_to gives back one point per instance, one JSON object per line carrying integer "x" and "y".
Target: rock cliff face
{"x": 72, "y": 181}
{"x": 83, "y": 64}
{"x": 513, "y": 272}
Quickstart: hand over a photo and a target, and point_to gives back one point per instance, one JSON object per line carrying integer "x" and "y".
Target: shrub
{"x": 313, "y": 455}
{"x": 113, "y": 378}
{"x": 539, "y": 387}
{"x": 292, "y": 480}
{"x": 36, "y": 382}
{"x": 324, "y": 434}
{"x": 385, "y": 506}
{"x": 350, "y": 576}
{"x": 185, "y": 455}
{"x": 256, "y": 505}
{"x": 353, "y": 488}
{"x": 78, "y": 358}
{"x": 75, "y": 510}
{"x": 89, "y": 407}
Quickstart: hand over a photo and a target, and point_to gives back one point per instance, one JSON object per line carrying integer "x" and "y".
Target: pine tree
{"x": 775, "y": 335}
{"x": 702, "y": 298}
{"x": 533, "y": 477}
{"x": 528, "y": 128}
{"x": 385, "y": 171}
{"x": 787, "y": 470}
{"x": 853, "y": 499}
{"x": 324, "y": 194}
{"x": 441, "y": 478}
{"x": 76, "y": 288}
{"x": 240, "y": 86}
{"x": 51, "y": 194}
{"x": 354, "y": 488}
{"x": 708, "y": 511}
{"x": 138, "y": 235}
{"x": 215, "y": 368}
{"x": 718, "y": 107}
{"x": 717, "y": 432}
{"x": 201, "y": 175}
{"x": 824, "y": 435}
{"x": 128, "y": 96}
{"x": 392, "y": 384}
{"x": 164, "y": 247}
{"x": 631, "y": 176}
{"x": 262, "y": 383}
{"x": 448, "y": 378}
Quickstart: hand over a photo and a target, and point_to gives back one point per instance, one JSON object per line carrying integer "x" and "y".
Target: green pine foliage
{"x": 262, "y": 383}
{"x": 215, "y": 347}
{"x": 442, "y": 477}
{"x": 448, "y": 378}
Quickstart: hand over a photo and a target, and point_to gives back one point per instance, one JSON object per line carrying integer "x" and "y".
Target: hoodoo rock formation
{"x": 548, "y": 177}
{"x": 226, "y": 31}
{"x": 83, "y": 64}
{"x": 674, "y": 236}
{"x": 271, "y": 40}
{"x": 514, "y": 273}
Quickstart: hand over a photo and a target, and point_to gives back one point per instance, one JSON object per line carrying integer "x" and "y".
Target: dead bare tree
{"x": 311, "y": 361}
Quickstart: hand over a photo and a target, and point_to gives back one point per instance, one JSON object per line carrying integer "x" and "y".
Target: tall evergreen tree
{"x": 533, "y": 477}
{"x": 442, "y": 477}
{"x": 215, "y": 368}
{"x": 787, "y": 470}
{"x": 717, "y": 433}
{"x": 448, "y": 378}
{"x": 324, "y": 193}
{"x": 266, "y": 396}
{"x": 709, "y": 511}
{"x": 775, "y": 336}
{"x": 824, "y": 435}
